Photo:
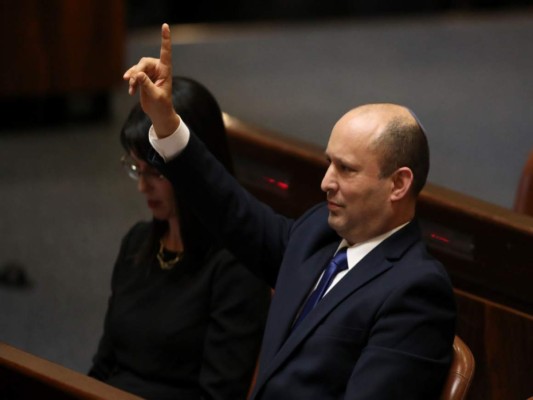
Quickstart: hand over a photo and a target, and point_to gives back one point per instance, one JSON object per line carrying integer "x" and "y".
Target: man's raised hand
{"x": 153, "y": 78}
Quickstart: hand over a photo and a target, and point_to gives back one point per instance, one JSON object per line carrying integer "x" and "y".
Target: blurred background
{"x": 291, "y": 66}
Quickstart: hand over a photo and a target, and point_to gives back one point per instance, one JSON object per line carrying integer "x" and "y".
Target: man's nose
{"x": 328, "y": 181}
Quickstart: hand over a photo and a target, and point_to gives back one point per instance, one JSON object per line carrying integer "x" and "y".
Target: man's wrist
{"x": 170, "y": 146}
{"x": 165, "y": 127}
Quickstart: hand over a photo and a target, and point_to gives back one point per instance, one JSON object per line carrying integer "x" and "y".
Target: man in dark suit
{"x": 382, "y": 327}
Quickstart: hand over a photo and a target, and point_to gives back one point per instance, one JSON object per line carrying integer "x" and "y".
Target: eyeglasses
{"x": 134, "y": 172}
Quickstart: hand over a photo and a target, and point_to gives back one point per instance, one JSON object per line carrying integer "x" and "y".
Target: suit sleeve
{"x": 228, "y": 210}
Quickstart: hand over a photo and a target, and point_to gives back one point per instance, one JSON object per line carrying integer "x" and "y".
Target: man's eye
{"x": 346, "y": 168}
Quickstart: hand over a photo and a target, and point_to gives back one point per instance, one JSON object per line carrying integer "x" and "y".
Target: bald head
{"x": 382, "y": 110}
{"x": 396, "y": 137}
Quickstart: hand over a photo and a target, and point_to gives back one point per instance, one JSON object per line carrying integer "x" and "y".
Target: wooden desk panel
{"x": 501, "y": 340}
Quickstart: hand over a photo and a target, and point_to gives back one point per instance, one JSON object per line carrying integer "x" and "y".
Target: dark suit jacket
{"x": 385, "y": 331}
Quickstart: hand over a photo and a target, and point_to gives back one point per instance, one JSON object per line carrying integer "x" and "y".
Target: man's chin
{"x": 333, "y": 221}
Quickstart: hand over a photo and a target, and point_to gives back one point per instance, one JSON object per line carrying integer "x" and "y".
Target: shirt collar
{"x": 357, "y": 251}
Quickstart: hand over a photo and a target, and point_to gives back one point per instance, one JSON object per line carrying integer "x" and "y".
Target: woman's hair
{"x": 197, "y": 107}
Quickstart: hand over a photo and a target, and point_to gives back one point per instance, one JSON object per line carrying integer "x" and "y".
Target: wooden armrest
{"x": 25, "y": 376}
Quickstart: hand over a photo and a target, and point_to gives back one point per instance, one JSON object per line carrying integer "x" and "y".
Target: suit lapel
{"x": 377, "y": 262}
{"x": 290, "y": 295}
{"x": 364, "y": 272}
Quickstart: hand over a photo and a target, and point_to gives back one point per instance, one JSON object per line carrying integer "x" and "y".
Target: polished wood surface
{"x": 260, "y": 156}
{"x": 501, "y": 339}
{"x": 25, "y": 376}
{"x": 496, "y": 261}
{"x": 60, "y": 47}
{"x": 462, "y": 370}
{"x": 524, "y": 193}
{"x": 485, "y": 248}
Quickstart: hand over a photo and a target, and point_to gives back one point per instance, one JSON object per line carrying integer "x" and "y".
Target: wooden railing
{"x": 24, "y": 376}
{"x": 487, "y": 250}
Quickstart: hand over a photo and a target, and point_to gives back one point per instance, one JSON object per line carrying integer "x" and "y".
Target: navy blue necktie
{"x": 337, "y": 264}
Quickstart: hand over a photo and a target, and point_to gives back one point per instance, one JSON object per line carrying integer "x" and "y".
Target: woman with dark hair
{"x": 175, "y": 326}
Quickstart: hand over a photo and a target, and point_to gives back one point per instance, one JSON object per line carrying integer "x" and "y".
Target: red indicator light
{"x": 279, "y": 184}
{"x": 439, "y": 238}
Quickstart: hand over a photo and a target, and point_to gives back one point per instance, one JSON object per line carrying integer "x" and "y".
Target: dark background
{"x": 142, "y": 13}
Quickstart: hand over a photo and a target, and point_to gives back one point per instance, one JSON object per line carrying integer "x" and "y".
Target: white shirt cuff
{"x": 172, "y": 145}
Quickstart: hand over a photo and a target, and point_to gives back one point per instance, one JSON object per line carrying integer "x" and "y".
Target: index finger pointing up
{"x": 165, "y": 55}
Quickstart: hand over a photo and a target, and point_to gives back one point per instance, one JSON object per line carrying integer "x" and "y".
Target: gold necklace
{"x": 166, "y": 265}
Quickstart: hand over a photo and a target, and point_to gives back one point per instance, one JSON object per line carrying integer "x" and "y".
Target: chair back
{"x": 524, "y": 194}
{"x": 461, "y": 372}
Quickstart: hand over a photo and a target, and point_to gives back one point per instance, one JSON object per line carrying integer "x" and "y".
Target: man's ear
{"x": 402, "y": 180}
